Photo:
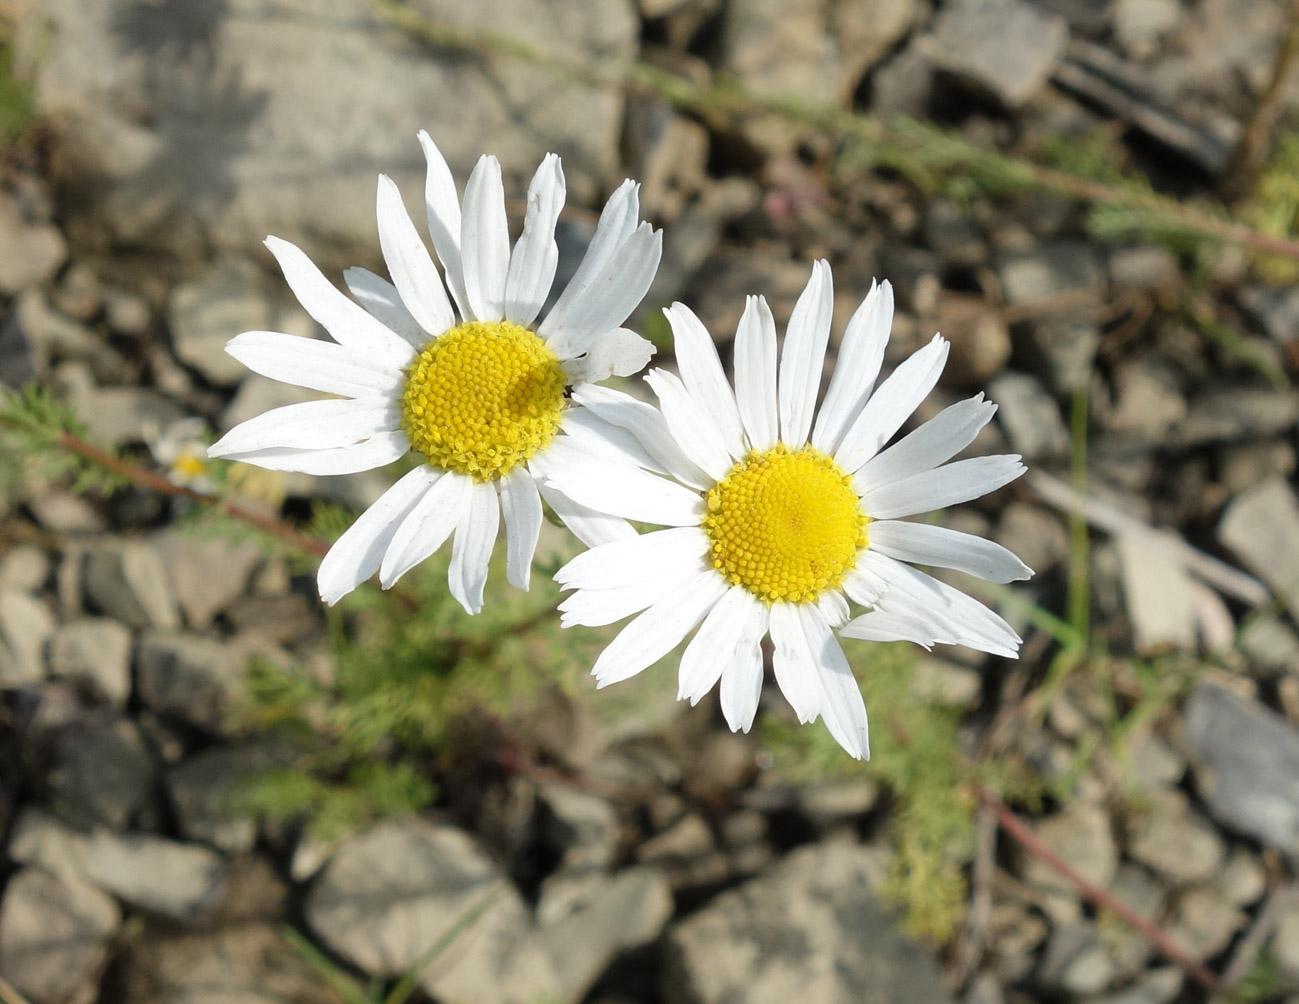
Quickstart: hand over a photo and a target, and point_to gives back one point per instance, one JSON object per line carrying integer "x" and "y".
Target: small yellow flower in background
{"x": 470, "y": 382}
{"x": 181, "y": 451}
{"x": 778, "y": 514}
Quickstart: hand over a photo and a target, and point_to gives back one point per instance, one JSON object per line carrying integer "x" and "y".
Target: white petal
{"x": 585, "y": 432}
{"x": 629, "y": 493}
{"x": 856, "y": 367}
{"x": 796, "y": 672}
{"x": 609, "y": 299}
{"x": 891, "y": 405}
{"x": 597, "y": 607}
{"x": 863, "y": 586}
{"x": 345, "y": 321}
{"x": 934, "y": 443}
{"x": 617, "y": 223}
{"x": 442, "y": 206}
{"x": 380, "y": 298}
{"x": 356, "y": 555}
{"x": 592, "y": 528}
{"x": 803, "y": 356}
{"x": 377, "y": 451}
{"x": 535, "y": 255}
{"x": 923, "y": 544}
{"x": 880, "y": 625}
{"x": 624, "y": 562}
{"x": 950, "y": 615}
{"x": 409, "y": 263}
{"x": 471, "y": 551}
{"x": 842, "y": 706}
{"x": 755, "y": 373}
{"x": 426, "y": 527}
{"x": 742, "y": 678}
{"x": 485, "y": 241}
{"x": 620, "y": 352}
{"x": 313, "y": 363}
{"x": 713, "y": 648}
{"x": 311, "y": 425}
{"x": 833, "y": 607}
{"x": 659, "y": 629}
{"x": 702, "y": 374}
{"x": 941, "y": 487}
{"x": 691, "y": 426}
{"x": 647, "y": 424}
{"x": 521, "y": 505}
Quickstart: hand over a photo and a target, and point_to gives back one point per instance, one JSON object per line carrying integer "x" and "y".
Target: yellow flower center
{"x": 482, "y": 398}
{"x": 785, "y": 524}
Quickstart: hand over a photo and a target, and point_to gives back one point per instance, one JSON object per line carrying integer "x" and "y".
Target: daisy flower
{"x": 778, "y": 514}
{"x": 469, "y": 383}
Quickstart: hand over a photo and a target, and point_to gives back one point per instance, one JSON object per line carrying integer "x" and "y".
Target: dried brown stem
{"x": 1022, "y": 834}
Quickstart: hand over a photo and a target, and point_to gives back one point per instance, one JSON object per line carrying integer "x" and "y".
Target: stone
{"x": 1076, "y": 961}
{"x": 181, "y": 882}
{"x": 1037, "y": 535}
{"x": 944, "y": 682}
{"x": 31, "y": 251}
{"x": 26, "y": 627}
{"x": 207, "y": 575}
{"x": 190, "y": 130}
{"x": 1143, "y": 267}
{"x": 1030, "y": 417}
{"x": 1062, "y": 340}
{"x": 194, "y": 679}
{"x": 206, "y": 312}
{"x": 54, "y": 936}
{"x": 1237, "y": 413}
{"x": 1153, "y": 764}
{"x": 1081, "y": 835}
{"x": 64, "y": 512}
{"x": 204, "y": 789}
{"x": 980, "y": 340}
{"x": 118, "y": 416}
{"x": 580, "y": 824}
{"x": 1262, "y": 528}
{"x": 1276, "y": 310}
{"x": 395, "y": 890}
{"x": 829, "y": 803}
{"x": 620, "y": 914}
{"x": 1242, "y": 879}
{"x": 808, "y": 929}
{"x": 128, "y": 313}
{"x": 1271, "y": 648}
{"x": 1250, "y": 787}
{"x": 723, "y": 762}
{"x": 1138, "y": 23}
{"x": 95, "y": 651}
{"x": 1173, "y": 841}
{"x": 1004, "y": 48}
{"x": 1155, "y": 986}
{"x": 687, "y": 838}
{"x": 1204, "y": 923}
{"x": 1128, "y": 948}
{"x": 78, "y": 294}
{"x": 1285, "y": 947}
{"x": 247, "y": 963}
{"x": 103, "y": 775}
{"x": 129, "y": 582}
{"x": 1147, "y": 402}
{"x": 1242, "y": 466}
{"x": 25, "y": 567}
{"x": 1162, "y": 598}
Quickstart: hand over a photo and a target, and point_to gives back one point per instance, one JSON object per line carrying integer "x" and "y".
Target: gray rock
{"x": 206, "y": 312}
{"x": 245, "y": 964}
{"x": 1076, "y": 961}
{"x": 1143, "y": 267}
{"x": 30, "y": 251}
{"x": 1138, "y": 23}
{"x": 54, "y": 934}
{"x": 1147, "y": 401}
{"x": 1030, "y": 417}
{"x": 1062, "y": 342}
{"x": 26, "y": 627}
{"x": 1154, "y": 765}
{"x": 581, "y": 824}
{"x": 190, "y": 131}
{"x": 55, "y": 336}
{"x": 808, "y": 929}
{"x": 1005, "y": 48}
{"x": 127, "y": 312}
{"x": 390, "y": 893}
{"x": 1277, "y": 310}
{"x": 103, "y": 775}
{"x": 96, "y": 650}
{"x": 1242, "y": 879}
{"x": 194, "y": 679}
{"x": 1271, "y": 647}
{"x": 1244, "y": 465}
{"x": 1251, "y": 787}
{"x": 1081, "y": 835}
{"x": 182, "y": 882}
{"x": 620, "y": 914}
{"x": 40, "y": 840}
{"x": 204, "y": 792}
{"x": 1262, "y": 528}
{"x": 117, "y": 416}
{"x": 26, "y": 567}
{"x": 1156, "y": 986}
{"x": 1204, "y": 923}
{"x": 1162, "y": 599}
{"x": 1038, "y": 536}
{"x": 64, "y": 512}
{"x": 1136, "y": 887}
{"x": 129, "y": 582}
{"x": 208, "y": 575}
{"x": 1231, "y": 414}
{"x": 1174, "y": 841}
{"x": 1285, "y": 947}
{"x": 78, "y": 293}
{"x": 979, "y": 336}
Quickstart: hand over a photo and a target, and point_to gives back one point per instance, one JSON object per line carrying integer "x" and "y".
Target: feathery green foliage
{"x": 1273, "y": 208}
{"x": 33, "y": 421}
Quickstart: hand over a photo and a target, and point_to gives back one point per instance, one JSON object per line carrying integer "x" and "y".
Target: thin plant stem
{"x": 1079, "y": 549}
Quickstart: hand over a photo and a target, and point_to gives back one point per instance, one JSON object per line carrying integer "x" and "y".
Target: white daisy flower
{"x": 479, "y": 391}
{"x": 778, "y": 514}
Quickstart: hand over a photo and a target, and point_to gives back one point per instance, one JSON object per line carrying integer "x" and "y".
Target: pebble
{"x": 1147, "y": 402}
{"x": 1237, "y": 413}
{"x": 103, "y": 775}
{"x": 129, "y": 582}
{"x": 30, "y": 251}
{"x": 1262, "y": 528}
{"x": 979, "y": 337}
{"x": 206, "y": 312}
{"x": 1204, "y": 923}
{"x": 1030, "y": 417}
{"x": 191, "y": 678}
{"x": 1036, "y": 534}
{"x": 1173, "y": 841}
{"x": 25, "y": 567}
{"x": 1006, "y": 48}
{"x": 203, "y": 790}
{"x": 1243, "y": 465}
{"x": 26, "y": 627}
{"x": 1081, "y": 835}
{"x": 583, "y": 826}
{"x": 181, "y": 882}
{"x": 207, "y": 575}
{"x": 1076, "y": 961}
{"x": 96, "y": 651}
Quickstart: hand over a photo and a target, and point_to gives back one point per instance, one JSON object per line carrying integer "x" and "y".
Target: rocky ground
{"x": 665, "y": 860}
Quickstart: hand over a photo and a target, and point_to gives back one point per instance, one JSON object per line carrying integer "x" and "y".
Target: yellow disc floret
{"x": 785, "y": 524}
{"x": 482, "y": 398}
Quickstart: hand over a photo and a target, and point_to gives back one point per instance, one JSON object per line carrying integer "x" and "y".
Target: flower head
{"x": 778, "y": 513}
{"x": 469, "y": 382}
